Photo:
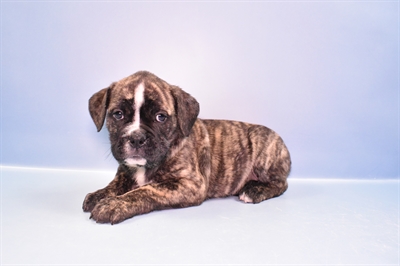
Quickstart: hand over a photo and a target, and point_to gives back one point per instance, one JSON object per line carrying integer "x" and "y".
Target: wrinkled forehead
{"x": 150, "y": 88}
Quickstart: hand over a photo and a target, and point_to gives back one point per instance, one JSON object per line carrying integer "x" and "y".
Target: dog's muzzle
{"x": 137, "y": 139}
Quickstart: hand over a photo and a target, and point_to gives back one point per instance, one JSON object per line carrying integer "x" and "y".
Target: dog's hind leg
{"x": 269, "y": 176}
{"x": 256, "y": 191}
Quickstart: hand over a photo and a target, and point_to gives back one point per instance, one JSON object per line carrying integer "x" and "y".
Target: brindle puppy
{"x": 168, "y": 158}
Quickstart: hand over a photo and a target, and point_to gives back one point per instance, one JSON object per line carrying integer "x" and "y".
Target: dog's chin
{"x": 135, "y": 161}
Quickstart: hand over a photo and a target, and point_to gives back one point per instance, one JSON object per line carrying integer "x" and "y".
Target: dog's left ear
{"x": 98, "y": 106}
{"x": 187, "y": 109}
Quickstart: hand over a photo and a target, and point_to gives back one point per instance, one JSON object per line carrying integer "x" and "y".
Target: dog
{"x": 169, "y": 158}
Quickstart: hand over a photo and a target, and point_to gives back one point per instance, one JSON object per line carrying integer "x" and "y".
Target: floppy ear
{"x": 186, "y": 108}
{"x": 98, "y": 106}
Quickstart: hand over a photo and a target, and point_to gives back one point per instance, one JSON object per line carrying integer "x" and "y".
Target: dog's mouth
{"x": 135, "y": 161}
{"x": 132, "y": 156}
{"x": 149, "y": 155}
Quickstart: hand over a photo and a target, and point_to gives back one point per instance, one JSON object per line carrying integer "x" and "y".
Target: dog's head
{"x": 146, "y": 116}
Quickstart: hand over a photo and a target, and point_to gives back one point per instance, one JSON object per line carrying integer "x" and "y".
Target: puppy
{"x": 169, "y": 158}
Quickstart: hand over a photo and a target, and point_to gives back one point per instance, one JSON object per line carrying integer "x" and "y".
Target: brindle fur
{"x": 188, "y": 159}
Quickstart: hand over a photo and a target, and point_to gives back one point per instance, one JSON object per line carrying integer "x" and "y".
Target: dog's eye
{"x": 161, "y": 118}
{"x": 118, "y": 115}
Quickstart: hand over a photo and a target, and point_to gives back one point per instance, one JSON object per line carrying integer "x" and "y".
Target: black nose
{"x": 138, "y": 139}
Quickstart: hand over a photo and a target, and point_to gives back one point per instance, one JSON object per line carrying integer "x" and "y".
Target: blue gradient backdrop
{"x": 324, "y": 75}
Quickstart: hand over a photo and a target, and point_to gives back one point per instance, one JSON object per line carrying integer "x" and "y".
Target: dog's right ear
{"x": 98, "y": 104}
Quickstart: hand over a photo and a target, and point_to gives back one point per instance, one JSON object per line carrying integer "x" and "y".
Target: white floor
{"x": 320, "y": 222}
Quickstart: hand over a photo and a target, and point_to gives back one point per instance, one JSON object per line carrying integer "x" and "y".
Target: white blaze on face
{"x": 138, "y": 103}
{"x": 137, "y": 161}
{"x": 139, "y": 100}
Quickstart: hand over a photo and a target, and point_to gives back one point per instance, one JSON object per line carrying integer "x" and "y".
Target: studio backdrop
{"x": 323, "y": 74}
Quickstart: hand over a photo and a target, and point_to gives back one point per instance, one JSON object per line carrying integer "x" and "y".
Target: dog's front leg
{"x": 172, "y": 193}
{"x": 121, "y": 184}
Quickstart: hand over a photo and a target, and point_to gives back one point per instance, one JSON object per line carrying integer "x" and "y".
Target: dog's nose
{"x": 138, "y": 139}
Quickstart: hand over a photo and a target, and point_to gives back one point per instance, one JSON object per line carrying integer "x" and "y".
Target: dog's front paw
{"x": 92, "y": 199}
{"x": 111, "y": 210}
